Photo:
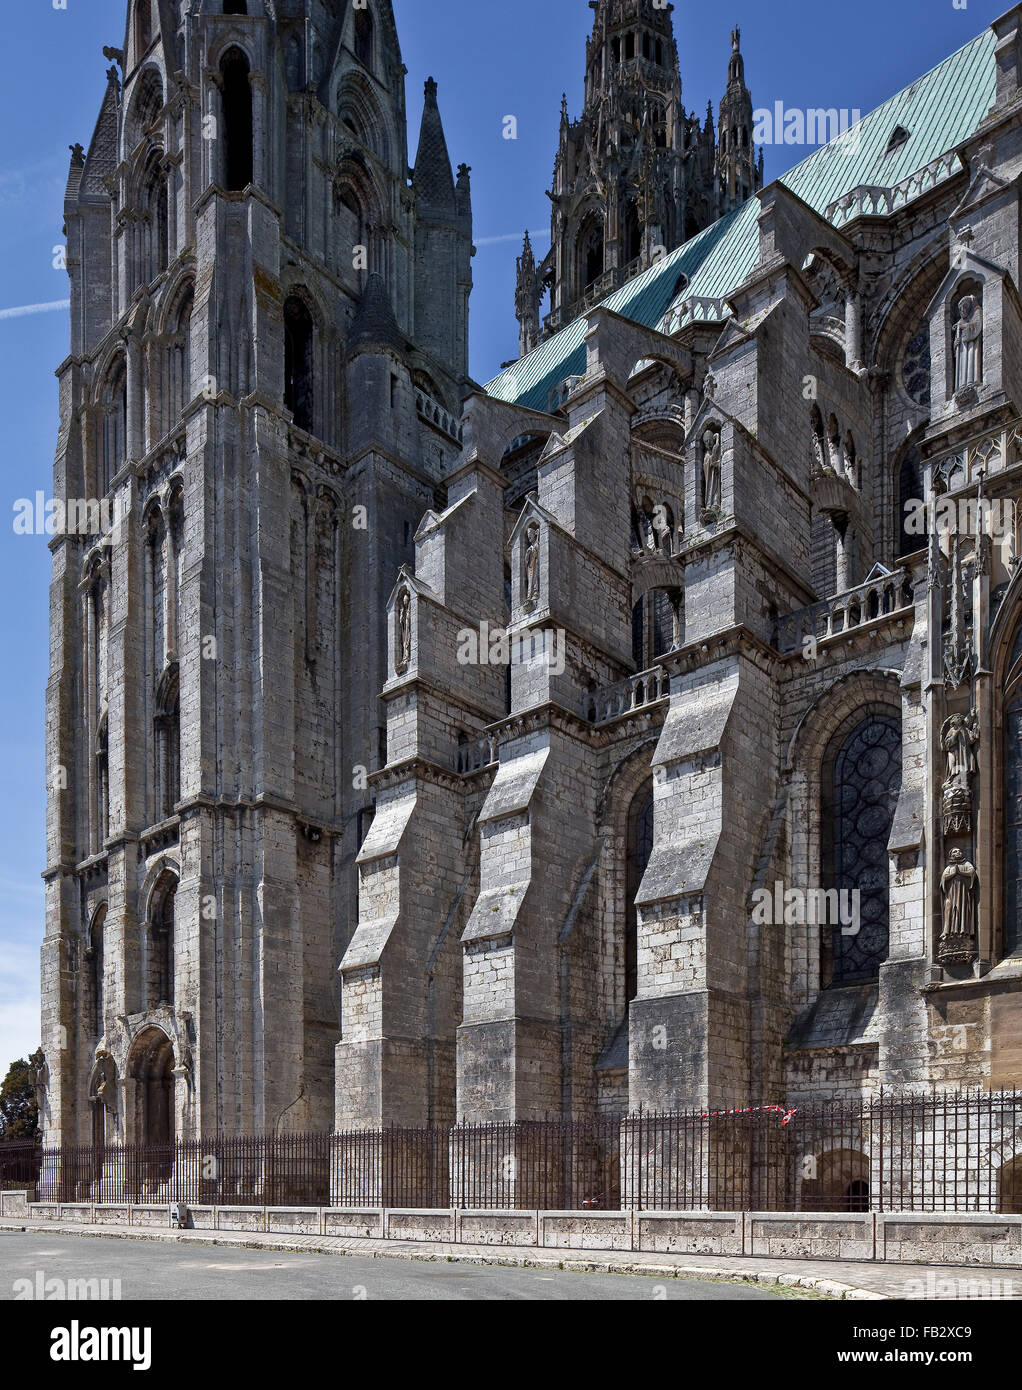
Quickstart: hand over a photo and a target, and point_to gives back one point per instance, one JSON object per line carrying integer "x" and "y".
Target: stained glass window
{"x": 915, "y": 368}
{"x": 860, "y": 801}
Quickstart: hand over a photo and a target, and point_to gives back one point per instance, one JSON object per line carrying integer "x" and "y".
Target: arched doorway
{"x": 150, "y": 1067}
{"x": 835, "y": 1181}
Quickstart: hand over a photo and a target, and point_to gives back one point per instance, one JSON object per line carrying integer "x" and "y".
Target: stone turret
{"x": 527, "y": 297}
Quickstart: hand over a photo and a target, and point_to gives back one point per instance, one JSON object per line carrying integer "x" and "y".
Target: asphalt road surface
{"x": 154, "y": 1270}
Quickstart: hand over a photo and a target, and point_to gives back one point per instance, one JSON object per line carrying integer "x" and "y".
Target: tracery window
{"x": 915, "y": 366}
{"x": 861, "y": 785}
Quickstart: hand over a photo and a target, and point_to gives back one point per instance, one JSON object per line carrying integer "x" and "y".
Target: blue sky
{"x": 491, "y": 60}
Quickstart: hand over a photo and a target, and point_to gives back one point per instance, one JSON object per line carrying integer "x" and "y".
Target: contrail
{"x": 22, "y": 310}
{"x": 509, "y": 236}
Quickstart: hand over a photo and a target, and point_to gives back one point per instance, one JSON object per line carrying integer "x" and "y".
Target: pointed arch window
{"x": 590, "y": 252}
{"x": 179, "y": 360}
{"x": 157, "y": 577}
{"x": 160, "y": 943}
{"x": 364, "y": 38}
{"x": 143, "y": 26}
{"x": 154, "y": 229}
{"x": 236, "y": 96}
{"x": 657, "y": 626}
{"x": 94, "y": 961}
{"x": 102, "y": 783}
{"x": 95, "y": 830}
{"x": 235, "y": 7}
{"x": 113, "y": 423}
{"x": 167, "y": 743}
{"x": 910, "y": 491}
{"x": 298, "y": 361}
{"x": 1012, "y": 787}
{"x": 861, "y": 785}
{"x": 640, "y": 849}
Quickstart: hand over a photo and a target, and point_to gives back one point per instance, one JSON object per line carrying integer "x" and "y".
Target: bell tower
{"x": 635, "y": 175}
{"x": 268, "y": 329}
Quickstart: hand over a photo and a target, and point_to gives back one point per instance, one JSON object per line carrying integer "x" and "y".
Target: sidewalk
{"x": 837, "y": 1279}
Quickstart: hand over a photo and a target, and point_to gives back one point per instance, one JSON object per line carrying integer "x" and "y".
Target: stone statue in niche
{"x": 531, "y": 564}
{"x": 105, "y": 1086}
{"x": 958, "y": 739}
{"x": 711, "y": 470}
{"x": 404, "y": 631}
{"x": 40, "y": 1078}
{"x": 968, "y": 343}
{"x": 958, "y": 884}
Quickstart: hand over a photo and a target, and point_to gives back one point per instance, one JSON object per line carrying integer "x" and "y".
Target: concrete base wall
{"x": 975, "y": 1238}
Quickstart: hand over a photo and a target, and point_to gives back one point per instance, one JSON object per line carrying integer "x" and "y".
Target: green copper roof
{"x": 939, "y": 111}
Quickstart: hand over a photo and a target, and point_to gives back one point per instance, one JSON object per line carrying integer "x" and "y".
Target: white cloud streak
{"x": 23, "y": 310}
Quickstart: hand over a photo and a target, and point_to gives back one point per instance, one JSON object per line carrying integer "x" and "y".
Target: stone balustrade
{"x": 882, "y": 596}
{"x": 433, "y": 413}
{"x": 473, "y": 757}
{"x": 636, "y": 692}
{"x": 877, "y": 200}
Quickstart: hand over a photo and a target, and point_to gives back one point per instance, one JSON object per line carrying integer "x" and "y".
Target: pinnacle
{"x": 375, "y": 324}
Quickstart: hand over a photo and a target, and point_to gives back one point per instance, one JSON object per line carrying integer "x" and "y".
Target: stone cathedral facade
{"x": 641, "y": 728}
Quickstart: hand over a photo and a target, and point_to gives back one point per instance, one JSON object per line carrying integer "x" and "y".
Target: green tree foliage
{"x": 19, "y": 1113}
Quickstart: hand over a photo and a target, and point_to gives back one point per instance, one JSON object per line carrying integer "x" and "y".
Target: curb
{"x": 335, "y": 1245}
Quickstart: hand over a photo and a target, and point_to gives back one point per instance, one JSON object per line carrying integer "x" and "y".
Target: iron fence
{"x": 930, "y": 1153}
{"x": 20, "y": 1160}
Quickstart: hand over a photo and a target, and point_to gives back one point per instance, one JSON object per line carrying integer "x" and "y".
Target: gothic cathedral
{"x": 643, "y": 727}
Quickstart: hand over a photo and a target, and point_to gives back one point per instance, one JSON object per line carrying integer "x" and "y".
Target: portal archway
{"x": 150, "y": 1066}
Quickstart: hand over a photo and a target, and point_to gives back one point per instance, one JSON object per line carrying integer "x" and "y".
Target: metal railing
{"x": 928, "y": 1153}
{"x": 20, "y": 1160}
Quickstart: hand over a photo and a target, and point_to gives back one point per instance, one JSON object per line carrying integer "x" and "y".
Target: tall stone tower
{"x": 268, "y": 348}
{"x": 739, "y": 175}
{"x": 636, "y": 174}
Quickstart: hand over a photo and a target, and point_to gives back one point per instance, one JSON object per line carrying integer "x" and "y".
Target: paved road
{"x": 151, "y": 1270}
